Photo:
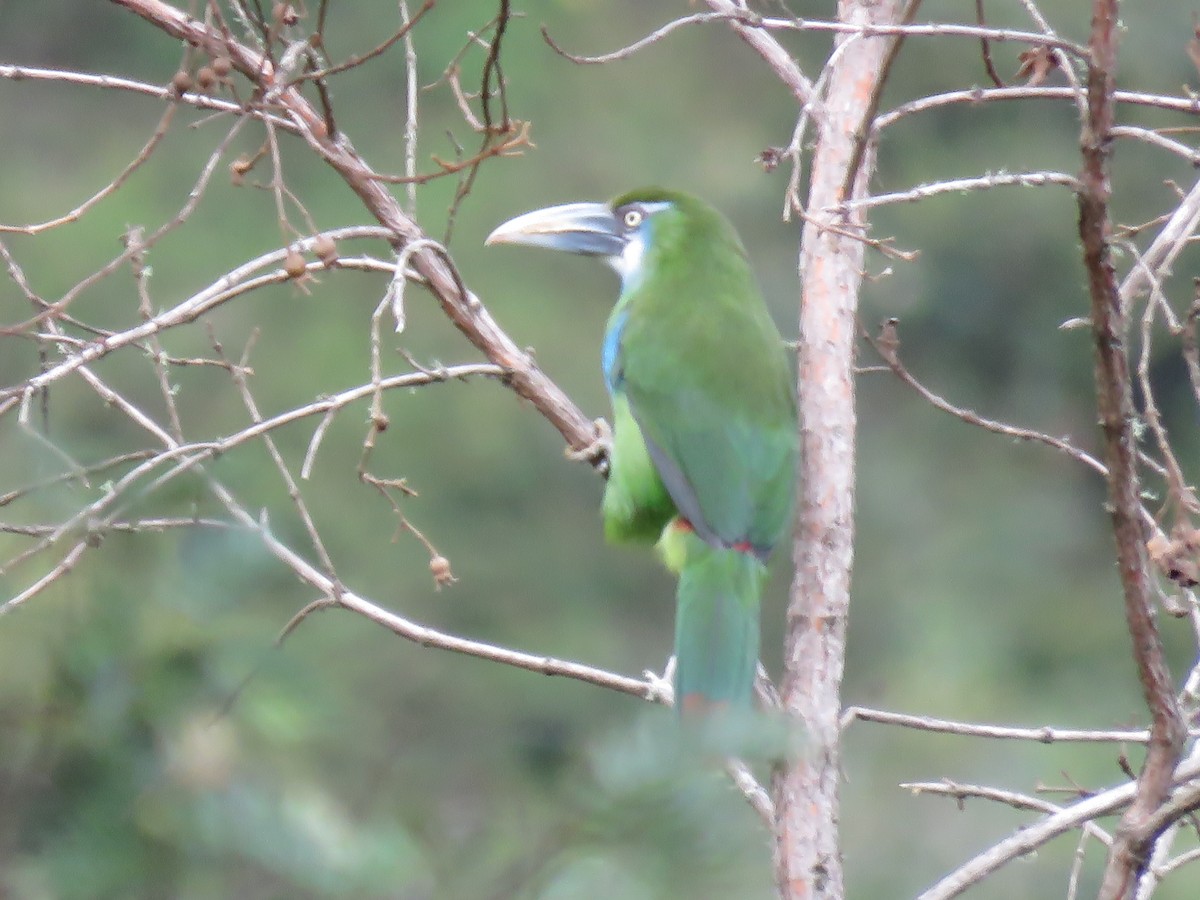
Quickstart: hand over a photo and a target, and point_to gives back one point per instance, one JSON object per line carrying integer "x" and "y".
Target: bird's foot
{"x": 600, "y": 448}
{"x": 662, "y": 687}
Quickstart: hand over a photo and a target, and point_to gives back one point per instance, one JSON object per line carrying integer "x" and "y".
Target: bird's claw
{"x": 662, "y": 687}
{"x": 600, "y": 447}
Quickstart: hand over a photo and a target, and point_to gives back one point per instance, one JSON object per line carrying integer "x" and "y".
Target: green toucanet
{"x": 704, "y": 418}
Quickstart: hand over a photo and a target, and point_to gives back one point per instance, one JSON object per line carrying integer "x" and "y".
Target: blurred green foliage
{"x": 155, "y": 742}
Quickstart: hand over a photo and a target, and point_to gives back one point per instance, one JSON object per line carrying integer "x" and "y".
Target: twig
{"x": 963, "y": 185}
{"x": 737, "y": 15}
{"x": 961, "y": 792}
{"x": 1047, "y": 734}
{"x": 512, "y": 145}
{"x": 232, "y": 284}
{"x": 1166, "y": 246}
{"x": 150, "y": 524}
{"x": 1179, "y": 862}
{"x": 1148, "y": 136}
{"x": 185, "y": 211}
{"x": 973, "y": 418}
{"x": 932, "y": 29}
{"x": 1156, "y": 865}
{"x": 985, "y": 47}
{"x": 975, "y": 96}
{"x": 463, "y": 308}
{"x": 756, "y": 795}
{"x": 1030, "y": 837}
{"x": 864, "y": 130}
{"x": 160, "y": 131}
{"x": 741, "y": 18}
{"x": 1179, "y": 492}
{"x": 410, "y": 111}
{"x": 773, "y": 54}
{"x": 1064, "y": 64}
{"x": 1077, "y": 865}
{"x": 285, "y": 475}
{"x": 355, "y": 60}
{"x": 185, "y": 457}
{"x": 157, "y": 91}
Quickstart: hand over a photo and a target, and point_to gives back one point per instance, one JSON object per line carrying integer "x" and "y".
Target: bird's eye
{"x": 633, "y": 218}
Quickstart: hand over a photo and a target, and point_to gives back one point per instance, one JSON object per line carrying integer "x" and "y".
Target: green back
{"x": 707, "y": 378}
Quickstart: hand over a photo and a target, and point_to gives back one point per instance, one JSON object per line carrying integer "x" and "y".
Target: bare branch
{"x": 891, "y": 357}
{"x": 1114, "y": 400}
{"x": 1155, "y": 263}
{"x": 1030, "y": 837}
{"x": 985, "y": 48}
{"x": 773, "y": 54}
{"x": 961, "y": 792}
{"x": 863, "y": 130}
{"x": 157, "y": 91}
{"x": 463, "y": 308}
{"x": 1047, "y": 734}
{"x": 743, "y": 16}
{"x": 963, "y": 185}
{"x": 355, "y": 60}
{"x": 1148, "y": 136}
{"x": 160, "y": 131}
{"x": 976, "y": 96}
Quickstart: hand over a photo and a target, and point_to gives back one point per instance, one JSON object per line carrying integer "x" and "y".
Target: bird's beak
{"x": 589, "y": 229}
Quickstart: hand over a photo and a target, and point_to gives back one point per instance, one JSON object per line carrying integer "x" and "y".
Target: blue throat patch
{"x": 610, "y": 350}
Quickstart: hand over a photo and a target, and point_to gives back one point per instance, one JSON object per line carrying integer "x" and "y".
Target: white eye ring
{"x": 633, "y": 218}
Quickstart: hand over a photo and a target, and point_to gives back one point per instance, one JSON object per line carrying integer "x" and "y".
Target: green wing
{"x": 713, "y": 401}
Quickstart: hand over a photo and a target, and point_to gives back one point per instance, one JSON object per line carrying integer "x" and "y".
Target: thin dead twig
{"x": 1016, "y": 800}
{"x": 156, "y": 91}
{"x": 1155, "y": 262}
{"x": 864, "y": 130}
{"x": 971, "y": 417}
{"x": 512, "y": 145}
{"x": 965, "y": 185}
{"x": 1046, "y": 734}
{"x": 139, "y": 159}
{"x": 463, "y": 308}
{"x": 232, "y": 284}
{"x": 1156, "y": 139}
{"x": 1030, "y": 837}
{"x": 742, "y": 16}
{"x": 985, "y": 47}
{"x": 355, "y": 60}
{"x": 185, "y": 211}
{"x": 293, "y": 489}
{"x": 974, "y": 96}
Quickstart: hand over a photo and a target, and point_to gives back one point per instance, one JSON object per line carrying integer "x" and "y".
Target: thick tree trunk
{"x": 808, "y": 858}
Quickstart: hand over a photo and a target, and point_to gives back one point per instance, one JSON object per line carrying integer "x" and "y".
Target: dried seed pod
{"x": 439, "y": 568}
{"x": 325, "y": 249}
{"x": 222, "y": 66}
{"x": 284, "y": 14}
{"x": 206, "y": 78}
{"x": 181, "y": 82}
{"x": 1177, "y": 557}
{"x": 294, "y": 264}
{"x": 239, "y": 167}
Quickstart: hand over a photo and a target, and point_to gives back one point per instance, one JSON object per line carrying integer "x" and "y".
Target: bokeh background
{"x": 155, "y": 743}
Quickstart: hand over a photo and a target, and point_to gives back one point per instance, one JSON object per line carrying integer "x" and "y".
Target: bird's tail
{"x": 716, "y": 626}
